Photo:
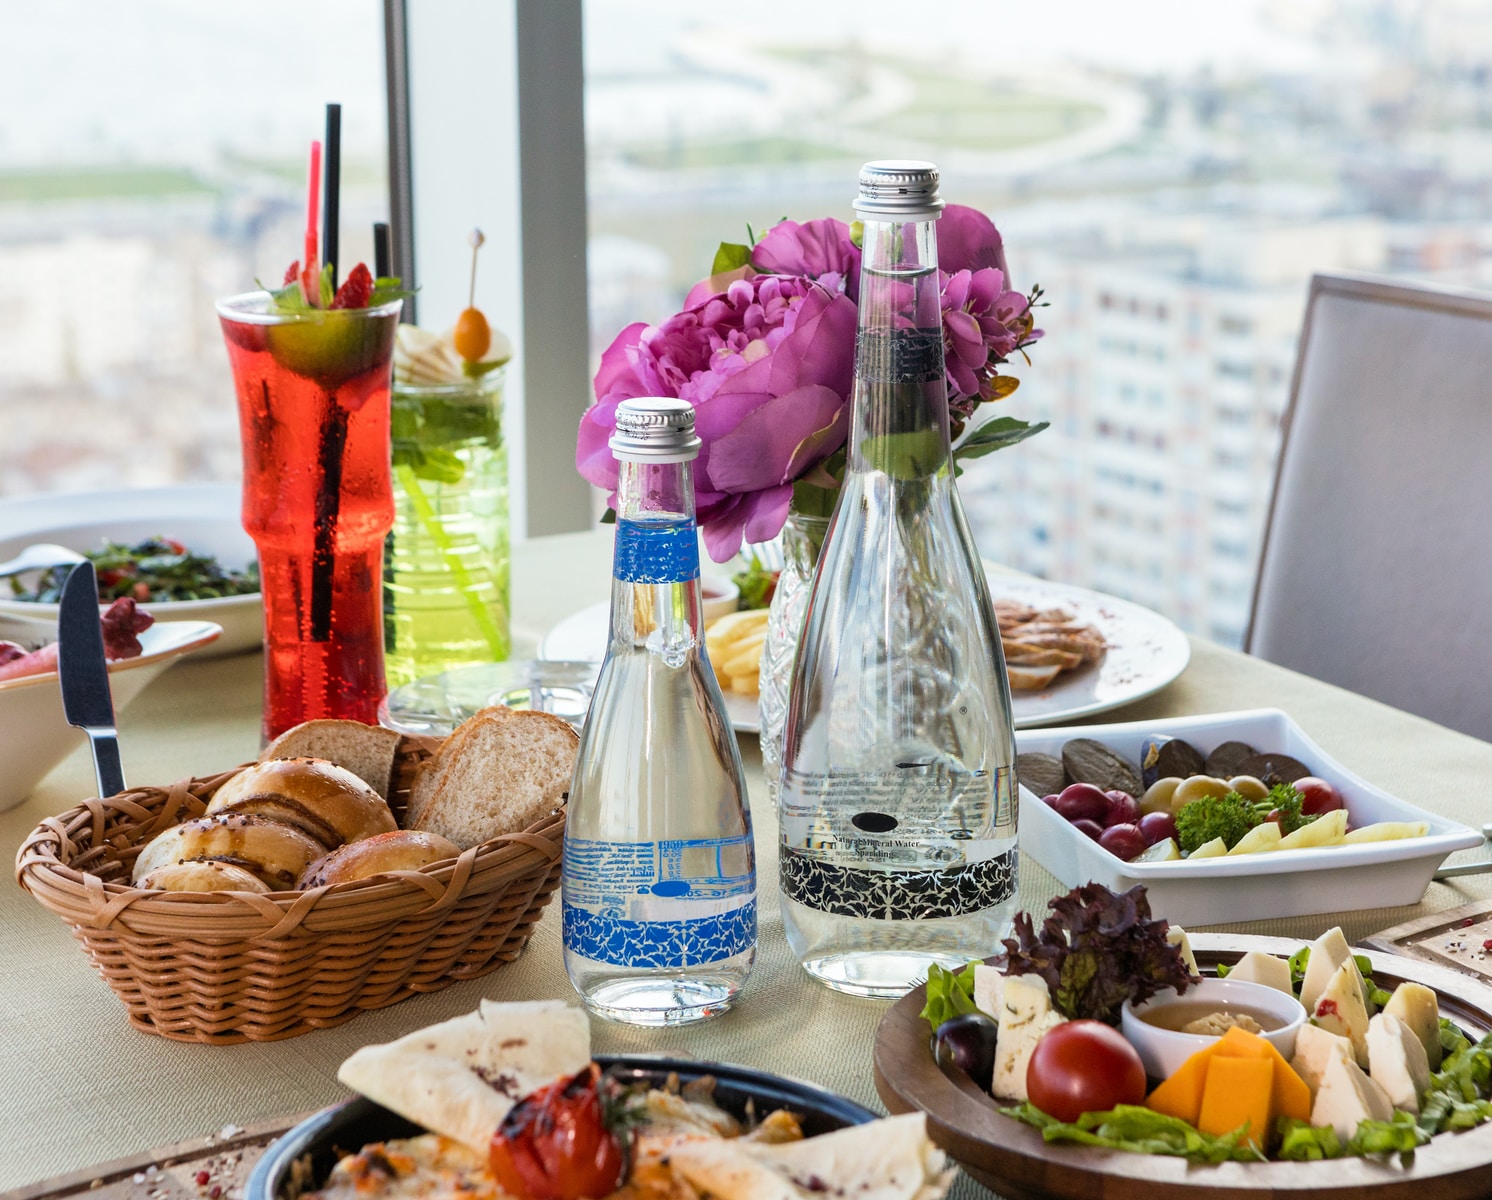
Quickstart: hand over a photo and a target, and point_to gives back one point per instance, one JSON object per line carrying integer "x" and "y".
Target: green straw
{"x": 436, "y": 530}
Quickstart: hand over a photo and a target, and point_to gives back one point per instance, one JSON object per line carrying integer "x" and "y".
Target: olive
{"x": 967, "y": 1043}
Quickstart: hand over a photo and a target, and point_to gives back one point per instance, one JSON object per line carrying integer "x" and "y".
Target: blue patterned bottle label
{"x": 659, "y": 904}
{"x": 656, "y": 552}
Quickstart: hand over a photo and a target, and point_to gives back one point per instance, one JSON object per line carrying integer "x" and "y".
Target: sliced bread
{"x": 365, "y": 750}
{"x": 500, "y": 772}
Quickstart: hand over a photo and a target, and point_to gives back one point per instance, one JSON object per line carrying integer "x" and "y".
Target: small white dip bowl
{"x": 1164, "y": 1050}
{"x": 721, "y": 595}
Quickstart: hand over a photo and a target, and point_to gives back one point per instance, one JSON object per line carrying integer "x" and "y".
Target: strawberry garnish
{"x": 292, "y": 272}
{"x": 355, "y": 290}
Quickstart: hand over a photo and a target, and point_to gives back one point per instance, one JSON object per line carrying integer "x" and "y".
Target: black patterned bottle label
{"x": 896, "y": 895}
{"x": 899, "y": 355}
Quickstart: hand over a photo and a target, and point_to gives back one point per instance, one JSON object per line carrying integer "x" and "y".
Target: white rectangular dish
{"x": 1251, "y": 887}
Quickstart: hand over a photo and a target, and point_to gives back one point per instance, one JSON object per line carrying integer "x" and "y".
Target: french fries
{"x": 734, "y": 643}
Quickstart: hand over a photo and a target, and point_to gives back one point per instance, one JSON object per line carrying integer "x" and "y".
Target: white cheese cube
{"x": 1397, "y": 1062}
{"x": 1025, "y": 1015}
{"x": 1328, "y": 952}
{"x": 1177, "y": 937}
{"x": 1314, "y": 1048}
{"x": 1343, "y": 1010}
{"x": 989, "y": 982}
{"x": 1347, "y": 1097}
{"x": 1417, "y": 1007}
{"x": 1258, "y": 967}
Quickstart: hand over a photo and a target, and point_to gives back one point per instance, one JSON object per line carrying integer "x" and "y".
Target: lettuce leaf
{"x": 1141, "y": 1131}
{"x": 949, "y": 994}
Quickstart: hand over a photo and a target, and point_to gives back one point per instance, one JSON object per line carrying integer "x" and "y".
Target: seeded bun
{"x": 202, "y": 877}
{"x": 402, "y": 850}
{"x": 274, "y": 853}
{"x": 320, "y": 798}
{"x": 365, "y": 750}
{"x": 500, "y": 772}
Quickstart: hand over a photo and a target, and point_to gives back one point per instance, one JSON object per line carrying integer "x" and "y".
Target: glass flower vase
{"x": 802, "y": 539}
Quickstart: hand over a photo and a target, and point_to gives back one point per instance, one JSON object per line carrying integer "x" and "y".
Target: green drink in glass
{"x": 446, "y": 561}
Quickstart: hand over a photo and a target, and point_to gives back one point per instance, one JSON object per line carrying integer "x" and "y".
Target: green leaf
{"x": 731, "y": 256}
{"x": 949, "y": 994}
{"x": 328, "y": 292}
{"x": 1398, "y": 1136}
{"x": 387, "y": 288}
{"x": 609, "y": 517}
{"x": 1300, "y": 1141}
{"x": 997, "y": 434}
{"x": 1140, "y": 1131}
{"x": 916, "y": 454}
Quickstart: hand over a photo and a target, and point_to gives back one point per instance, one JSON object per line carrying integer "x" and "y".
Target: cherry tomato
{"x": 1084, "y": 1066}
{"x": 1318, "y": 796}
{"x": 556, "y": 1144}
{"x": 176, "y": 546}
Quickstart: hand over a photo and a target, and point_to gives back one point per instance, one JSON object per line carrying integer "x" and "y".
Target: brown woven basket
{"x": 222, "y": 968}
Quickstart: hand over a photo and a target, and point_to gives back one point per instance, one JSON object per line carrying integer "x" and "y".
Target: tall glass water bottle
{"x": 897, "y": 794}
{"x": 659, "y": 877}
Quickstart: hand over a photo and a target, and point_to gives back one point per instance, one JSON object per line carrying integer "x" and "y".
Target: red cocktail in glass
{"x": 313, "y": 407}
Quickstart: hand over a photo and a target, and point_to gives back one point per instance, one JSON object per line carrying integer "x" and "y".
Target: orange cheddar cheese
{"x": 1237, "y": 1093}
{"x": 1257, "y": 1093}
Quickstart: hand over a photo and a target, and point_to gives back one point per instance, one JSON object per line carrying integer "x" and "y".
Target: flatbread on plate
{"x": 462, "y": 1076}
{"x": 890, "y": 1159}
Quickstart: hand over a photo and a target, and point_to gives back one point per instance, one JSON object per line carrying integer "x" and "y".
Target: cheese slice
{"x": 1328, "y": 952}
{"x": 1176, "y": 936}
{"x": 1213, "y": 849}
{"x": 989, "y": 982}
{"x": 1260, "y": 839}
{"x": 1347, "y": 1097}
{"x": 1314, "y": 1048}
{"x": 1397, "y": 1062}
{"x": 1258, "y": 967}
{"x": 1343, "y": 1010}
{"x": 1025, "y": 1015}
{"x": 1417, "y": 1006}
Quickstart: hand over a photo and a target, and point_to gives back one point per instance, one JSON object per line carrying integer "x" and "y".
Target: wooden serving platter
{"x": 1458, "y": 938}
{"x": 1013, "y": 1160}
{"x": 170, "y": 1173}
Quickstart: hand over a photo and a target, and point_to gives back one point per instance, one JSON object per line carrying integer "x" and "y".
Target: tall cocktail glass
{"x": 313, "y": 407}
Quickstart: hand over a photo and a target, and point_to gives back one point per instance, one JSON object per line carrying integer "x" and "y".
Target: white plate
{"x": 36, "y": 735}
{"x": 1251, "y": 887}
{"x": 204, "y": 516}
{"x": 1145, "y": 653}
{"x": 581, "y": 637}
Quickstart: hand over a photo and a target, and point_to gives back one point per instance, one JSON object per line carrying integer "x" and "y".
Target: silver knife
{"x": 85, "y": 675}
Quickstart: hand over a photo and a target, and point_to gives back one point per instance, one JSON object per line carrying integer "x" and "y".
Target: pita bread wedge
{"x": 892, "y": 1159}
{"x": 462, "y": 1076}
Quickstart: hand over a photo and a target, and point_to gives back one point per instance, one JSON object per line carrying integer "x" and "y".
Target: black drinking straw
{"x": 382, "y": 251}
{"x": 331, "y": 194}
{"x": 333, "y": 439}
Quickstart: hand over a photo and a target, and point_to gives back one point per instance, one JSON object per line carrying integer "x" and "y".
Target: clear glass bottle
{"x": 659, "y": 879}
{"x": 897, "y": 793}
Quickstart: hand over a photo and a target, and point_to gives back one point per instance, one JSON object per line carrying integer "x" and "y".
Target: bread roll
{"x": 202, "y": 877}
{"x": 273, "y": 852}
{"x": 365, "y": 750}
{"x": 496, "y": 774}
{"x": 402, "y": 850}
{"x": 320, "y": 798}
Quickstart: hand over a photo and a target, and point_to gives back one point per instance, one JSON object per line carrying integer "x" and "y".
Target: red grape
{"x": 1157, "y": 827}
{"x": 1123, "y": 841}
{"x": 1079, "y": 801}
{"x": 1088, "y": 828}
{"x": 1124, "y": 809}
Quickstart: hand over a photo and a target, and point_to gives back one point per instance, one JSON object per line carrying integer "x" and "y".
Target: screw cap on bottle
{"x": 899, "y": 189}
{"x": 654, "y": 429}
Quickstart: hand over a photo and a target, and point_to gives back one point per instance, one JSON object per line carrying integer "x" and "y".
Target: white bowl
{"x": 721, "y": 595}
{"x": 1164, "y": 1050}
{"x": 1248, "y": 887}
{"x": 203, "y": 516}
{"x": 36, "y": 734}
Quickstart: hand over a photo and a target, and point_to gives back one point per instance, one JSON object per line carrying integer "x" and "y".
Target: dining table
{"x": 82, "y": 1087}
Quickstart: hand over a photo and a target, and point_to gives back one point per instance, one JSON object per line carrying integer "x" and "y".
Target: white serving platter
{"x": 205, "y": 517}
{"x": 1251, "y": 887}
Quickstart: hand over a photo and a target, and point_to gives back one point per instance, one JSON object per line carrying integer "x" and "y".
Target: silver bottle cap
{"x": 899, "y": 189}
{"x": 654, "y": 429}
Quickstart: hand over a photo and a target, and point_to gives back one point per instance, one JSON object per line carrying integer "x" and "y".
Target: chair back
{"x": 1376, "y": 568}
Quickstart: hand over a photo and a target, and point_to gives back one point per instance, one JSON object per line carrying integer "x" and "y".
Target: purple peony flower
{"x": 765, "y": 354}
{"x": 768, "y": 365}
